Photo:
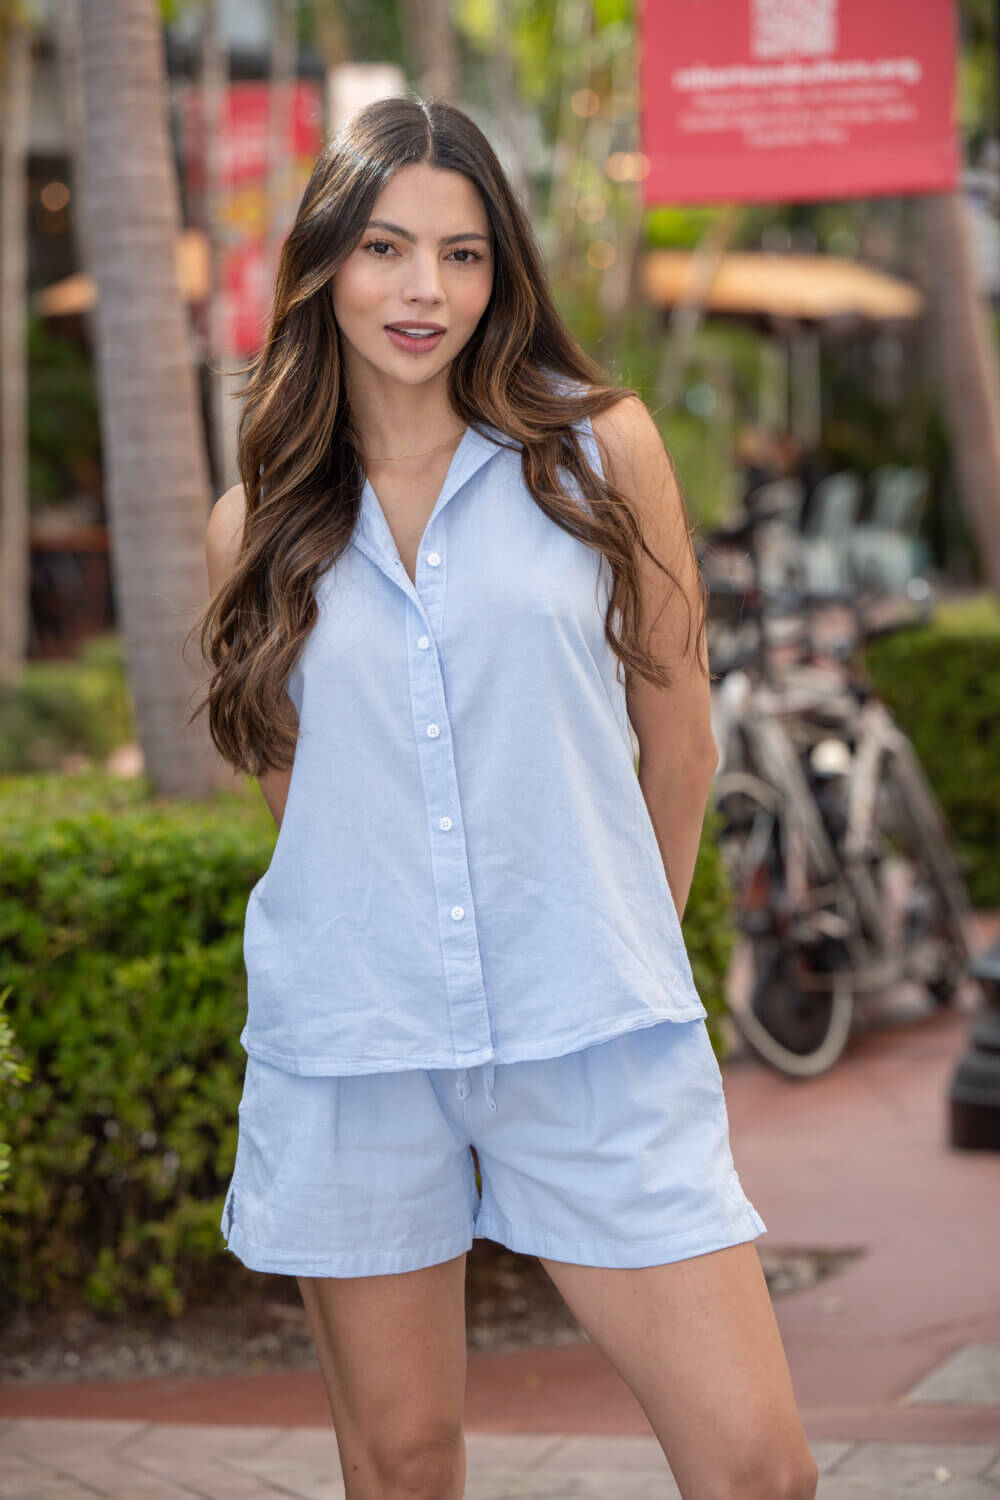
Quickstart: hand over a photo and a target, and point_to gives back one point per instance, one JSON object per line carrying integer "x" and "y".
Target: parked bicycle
{"x": 843, "y": 872}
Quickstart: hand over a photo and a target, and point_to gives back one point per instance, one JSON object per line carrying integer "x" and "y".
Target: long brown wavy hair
{"x": 301, "y": 463}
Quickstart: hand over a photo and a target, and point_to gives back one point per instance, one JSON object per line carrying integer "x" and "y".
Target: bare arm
{"x": 222, "y": 545}
{"x": 677, "y": 751}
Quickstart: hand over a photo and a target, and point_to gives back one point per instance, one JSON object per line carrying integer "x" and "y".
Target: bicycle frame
{"x": 829, "y": 891}
{"x": 823, "y": 837}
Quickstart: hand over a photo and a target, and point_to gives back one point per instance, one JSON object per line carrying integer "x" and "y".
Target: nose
{"x": 423, "y": 278}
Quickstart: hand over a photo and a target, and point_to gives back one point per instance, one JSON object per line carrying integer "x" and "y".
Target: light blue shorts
{"x": 614, "y": 1155}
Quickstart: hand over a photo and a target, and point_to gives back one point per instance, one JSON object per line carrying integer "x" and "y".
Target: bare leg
{"x": 393, "y": 1358}
{"x": 698, "y": 1344}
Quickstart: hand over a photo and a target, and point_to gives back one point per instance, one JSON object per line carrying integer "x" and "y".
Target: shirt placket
{"x": 462, "y": 961}
{"x": 470, "y": 1019}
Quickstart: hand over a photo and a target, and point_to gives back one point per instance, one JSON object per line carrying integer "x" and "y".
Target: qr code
{"x": 793, "y": 28}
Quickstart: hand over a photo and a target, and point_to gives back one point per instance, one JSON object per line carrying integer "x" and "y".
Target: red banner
{"x": 753, "y": 101}
{"x": 245, "y": 209}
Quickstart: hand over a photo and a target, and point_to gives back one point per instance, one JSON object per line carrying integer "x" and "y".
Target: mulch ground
{"x": 510, "y": 1303}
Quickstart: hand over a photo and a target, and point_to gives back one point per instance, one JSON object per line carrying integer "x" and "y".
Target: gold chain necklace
{"x": 400, "y": 456}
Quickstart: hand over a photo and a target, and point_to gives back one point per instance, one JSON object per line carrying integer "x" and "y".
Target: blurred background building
{"x": 769, "y": 338}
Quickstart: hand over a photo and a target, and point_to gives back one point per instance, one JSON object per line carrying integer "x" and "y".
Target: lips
{"x": 414, "y": 344}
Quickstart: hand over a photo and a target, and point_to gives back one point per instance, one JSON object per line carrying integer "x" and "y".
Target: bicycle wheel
{"x": 801, "y": 1006}
{"x": 935, "y": 915}
{"x": 796, "y": 1014}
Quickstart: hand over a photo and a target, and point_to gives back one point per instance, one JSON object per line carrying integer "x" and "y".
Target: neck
{"x": 391, "y": 419}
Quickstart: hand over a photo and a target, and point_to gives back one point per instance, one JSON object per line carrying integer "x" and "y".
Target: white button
{"x": 433, "y": 731}
{"x": 458, "y": 912}
{"x": 445, "y": 823}
{"x": 423, "y": 641}
{"x": 433, "y": 558}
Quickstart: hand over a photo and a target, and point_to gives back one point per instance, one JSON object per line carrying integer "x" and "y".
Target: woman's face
{"x": 425, "y": 257}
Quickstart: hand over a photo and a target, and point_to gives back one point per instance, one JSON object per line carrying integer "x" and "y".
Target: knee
{"x": 775, "y": 1476}
{"x": 803, "y": 1483}
{"x": 796, "y": 1480}
{"x": 429, "y": 1467}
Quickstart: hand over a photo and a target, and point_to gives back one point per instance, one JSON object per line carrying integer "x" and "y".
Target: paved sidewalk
{"x": 901, "y": 1345}
{"x": 895, "y": 1360}
{"x": 49, "y": 1460}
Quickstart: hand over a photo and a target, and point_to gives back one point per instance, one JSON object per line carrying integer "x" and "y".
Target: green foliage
{"x": 121, "y": 944}
{"x": 672, "y": 227}
{"x": 977, "y": 73}
{"x": 699, "y": 446}
{"x": 708, "y": 483}
{"x": 943, "y": 685}
{"x": 13, "y": 1073}
{"x": 63, "y": 707}
{"x": 371, "y": 27}
{"x": 121, "y": 919}
{"x": 708, "y": 927}
{"x": 978, "y": 615}
{"x": 533, "y": 40}
{"x": 64, "y": 435}
{"x": 708, "y": 924}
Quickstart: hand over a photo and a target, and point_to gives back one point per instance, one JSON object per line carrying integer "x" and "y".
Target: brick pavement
{"x": 52, "y": 1460}
{"x": 858, "y": 1159}
{"x": 895, "y": 1360}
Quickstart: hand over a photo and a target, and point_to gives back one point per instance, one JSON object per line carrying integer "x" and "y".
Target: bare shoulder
{"x": 224, "y": 534}
{"x": 626, "y": 420}
{"x": 634, "y": 457}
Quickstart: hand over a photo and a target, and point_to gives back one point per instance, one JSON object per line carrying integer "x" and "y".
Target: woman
{"x": 468, "y": 937}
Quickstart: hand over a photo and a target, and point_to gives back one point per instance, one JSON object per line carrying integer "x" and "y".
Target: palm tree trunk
{"x": 214, "y": 88}
{"x": 284, "y": 49}
{"x": 511, "y": 109}
{"x": 967, "y": 360}
{"x": 15, "y": 72}
{"x": 687, "y": 314}
{"x": 331, "y": 34}
{"x": 66, "y": 22}
{"x": 431, "y": 46}
{"x": 156, "y": 473}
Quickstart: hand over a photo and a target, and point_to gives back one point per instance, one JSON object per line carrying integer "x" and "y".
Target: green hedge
{"x": 943, "y": 685}
{"x": 120, "y": 935}
{"x": 121, "y": 938}
{"x": 708, "y": 927}
{"x": 60, "y": 708}
{"x": 13, "y": 1073}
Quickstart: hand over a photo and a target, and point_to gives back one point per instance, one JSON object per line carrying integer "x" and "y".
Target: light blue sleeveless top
{"x": 466, "y": 871}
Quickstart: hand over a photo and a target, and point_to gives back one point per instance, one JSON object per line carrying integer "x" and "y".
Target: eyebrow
{"x": 448, "y": 239}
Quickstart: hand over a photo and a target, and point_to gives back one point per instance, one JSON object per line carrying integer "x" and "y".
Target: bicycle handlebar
{"x": 757, "y": 604}
{"x": 733, "y": 661}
